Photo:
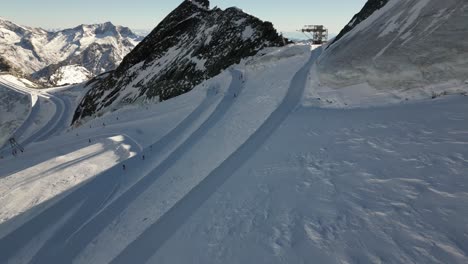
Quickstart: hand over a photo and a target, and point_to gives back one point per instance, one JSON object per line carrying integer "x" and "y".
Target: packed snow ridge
{"x": 275, "y": 159}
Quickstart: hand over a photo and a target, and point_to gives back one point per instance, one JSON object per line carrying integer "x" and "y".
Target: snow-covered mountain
{"x": 41, "y": 54}
{"x": 396, "y": 45}
{"x": 192, "y": 44}
{"x": 242, "y": 169}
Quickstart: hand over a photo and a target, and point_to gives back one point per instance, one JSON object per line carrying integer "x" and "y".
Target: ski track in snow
{"x": 98, "y": 209}
{"x": 32, "y": 116}
{"x": 92, "y": 216}
{"x": 55, "y": 123}
{"x": 32, "y": 111}
{"x": 84, "y": 236}
{"x": 154, "y": 237}
{"x": 337, "y": 192}
{"x": 350, "y": 186}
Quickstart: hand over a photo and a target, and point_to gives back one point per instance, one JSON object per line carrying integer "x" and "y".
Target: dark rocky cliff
{"x": 192, "y": 44}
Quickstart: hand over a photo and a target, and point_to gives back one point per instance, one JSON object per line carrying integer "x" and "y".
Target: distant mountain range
{"x": 58, "y": 57}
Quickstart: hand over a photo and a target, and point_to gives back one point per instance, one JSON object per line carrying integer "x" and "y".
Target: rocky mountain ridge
{"x": 192, "y": 44}
{"x": 39, "y": 54}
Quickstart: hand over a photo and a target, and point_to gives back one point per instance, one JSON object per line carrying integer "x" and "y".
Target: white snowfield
{"x": 240, "y": 170}
{"x": 406, "y": 50}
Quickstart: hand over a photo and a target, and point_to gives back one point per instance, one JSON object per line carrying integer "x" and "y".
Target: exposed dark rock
{"x": 4, "y": 65}
{"x": 192, "y": 44}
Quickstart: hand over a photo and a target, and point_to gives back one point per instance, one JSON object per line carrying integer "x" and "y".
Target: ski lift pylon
{"x": 318, "y": 34}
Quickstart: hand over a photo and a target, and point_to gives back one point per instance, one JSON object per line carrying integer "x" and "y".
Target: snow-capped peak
{"x": 40, "y": 53}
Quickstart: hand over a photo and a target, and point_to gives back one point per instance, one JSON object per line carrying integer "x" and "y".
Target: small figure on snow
{"x": 123, "y": 166}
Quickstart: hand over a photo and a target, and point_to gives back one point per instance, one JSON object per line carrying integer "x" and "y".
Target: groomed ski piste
{"x": 249, "y": 167}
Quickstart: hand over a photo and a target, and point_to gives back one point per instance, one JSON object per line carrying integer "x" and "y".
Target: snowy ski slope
{"x": 240, "y": 170}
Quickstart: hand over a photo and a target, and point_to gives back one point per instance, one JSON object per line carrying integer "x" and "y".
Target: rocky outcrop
{"x": 192, "y": 44}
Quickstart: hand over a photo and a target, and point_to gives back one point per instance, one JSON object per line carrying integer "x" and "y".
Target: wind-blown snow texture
{"x": 401, "y": 45}
{"x": 247, "y": 167}
{"x": 39, "y": 54}
{"x": 192, "y": 44}
{"x": 238, "y": 171}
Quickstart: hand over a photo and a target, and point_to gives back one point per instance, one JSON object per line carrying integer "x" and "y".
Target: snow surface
{"x": 248, "y": 167}
{"x": 405, "y": 49}
{"x": 15, "y": 107}
{"x": 71, "y": 74}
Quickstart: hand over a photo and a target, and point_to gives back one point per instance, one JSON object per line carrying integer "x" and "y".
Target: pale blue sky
{"x": 286, "y": 15}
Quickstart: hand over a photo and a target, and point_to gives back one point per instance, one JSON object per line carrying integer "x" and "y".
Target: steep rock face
{"x": 192, "y": 44}
{"x": 401, "y": 45}
{"x": 38, "y": 53}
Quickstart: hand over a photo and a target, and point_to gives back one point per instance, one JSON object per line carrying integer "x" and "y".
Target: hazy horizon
{"x": 145, "y": 15}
